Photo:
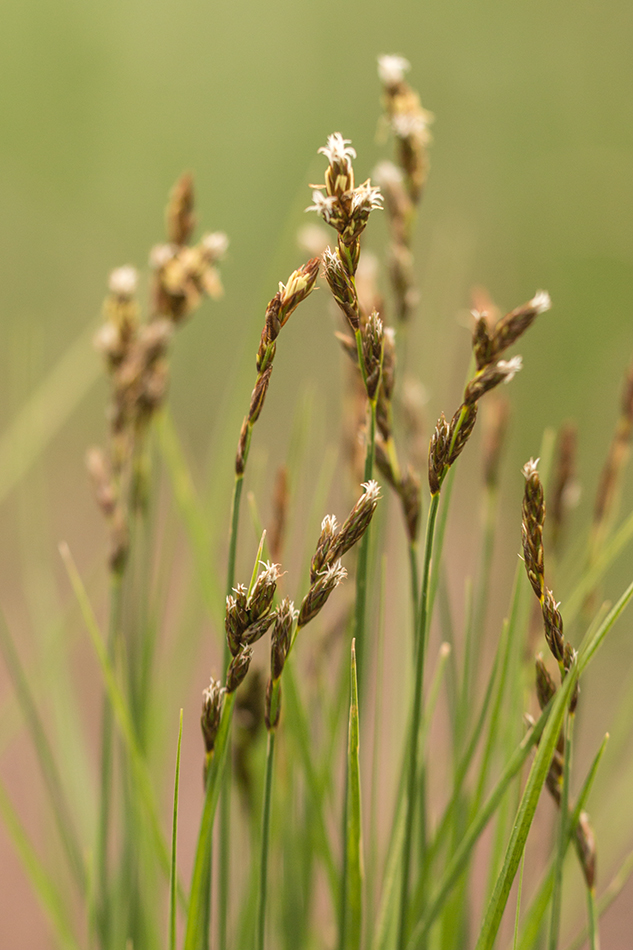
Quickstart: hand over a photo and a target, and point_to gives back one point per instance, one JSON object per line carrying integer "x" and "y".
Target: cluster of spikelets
{"x": 135, "y": 350}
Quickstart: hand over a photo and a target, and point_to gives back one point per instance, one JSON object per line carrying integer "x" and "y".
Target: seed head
{"x": 342, "y": 287}
{"x": 123, "y": 281}
{"x": 238, "y": 668}
{"x": 319, "y": 592}
{"x": 373, "y": 336}
{"x": 329, "y": 531}
{"x": 391, "y": 70}
{"x": 532, "y": 527}
{"x": 281, "y": 636}
{"x": 356, "y": 523}
{"x": 212, "y": 700}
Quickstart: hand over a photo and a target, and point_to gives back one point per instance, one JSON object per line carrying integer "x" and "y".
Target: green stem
{"x": 363, "y": 555}
{"x": 225, "y": 799}
{"x": 105, "y": 799}
{"x": 594, "y": 937}
{"x": 263, "y": 870}
{"x": 416, "y": 715}
{"x": 415, "y": 584}
{"x": 557, "y": 895}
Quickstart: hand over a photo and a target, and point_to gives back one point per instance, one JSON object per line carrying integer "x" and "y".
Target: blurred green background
{"x": 104, "y": 105}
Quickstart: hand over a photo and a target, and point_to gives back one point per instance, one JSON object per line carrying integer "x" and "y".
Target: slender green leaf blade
{"x": 525, "y": 815}
{"x": 354, "y": 895}
{"x": 174, "y": 838}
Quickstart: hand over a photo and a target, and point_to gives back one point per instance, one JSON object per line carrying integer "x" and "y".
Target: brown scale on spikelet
{"x": 533, "y": 519}
{"x": 299, "y": 286}
{"x": 488, "y": 345}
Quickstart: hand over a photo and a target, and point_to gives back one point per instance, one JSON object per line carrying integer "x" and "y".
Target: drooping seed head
{"x": 356, "y": 523}
{"x": 212, "y": 700}
{"x": 319, "y": 592}
{"x": 553, "y": 626}
{"x": 342, "y": 287}
{"x": 329, "y": 531}
{"x": 300, "y": 284}
{"x": 532, "y": 527}
{"x": 586, "y": 841}
{"x": 460, "y": 430}
{"x": 410, "y": 494}
{"x": 438, "y": 454}
{"x": 281, "y": 636}
{"x": 490, "y": 377}
{"x": 238, "y": 668}
{"x": 545, "y": 686}
{"x": 515, "y": 323}
{"x": 373, "y": 336}
{"x": 263, "y": 591}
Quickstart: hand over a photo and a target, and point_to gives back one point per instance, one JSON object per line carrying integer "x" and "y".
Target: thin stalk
{"x": 263, "y": 867}
{"x": 607, "y": 898}
{"x": 517, "y": 917}
{"x": 48, "y": 765}
{"x": 224, "y": 868}
{"x": 174, "y": 840}
{"x": 592, "y": 913}
{"x": 416, "y": 711}
{"x": 415, "y": 584}
{"x": 105, "y": 795}
{"x": 363, "y": 554}
{"x": 359, "y": 628}
{"x": 557, "y": 895}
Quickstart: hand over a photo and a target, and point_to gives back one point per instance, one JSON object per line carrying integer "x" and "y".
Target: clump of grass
{"x": 290, "y": 870}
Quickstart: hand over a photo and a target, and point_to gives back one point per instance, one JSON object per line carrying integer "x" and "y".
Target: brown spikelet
{"x": 180, "y": 217}
{"x": 532, "y": 528}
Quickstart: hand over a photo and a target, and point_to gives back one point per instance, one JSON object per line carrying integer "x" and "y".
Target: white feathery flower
{"x": 323, "y": 204}
{"x": 530, "y": 468}
{"x": 391, "y": 69}
{"x": 406, "y": 125}
{"x": 510, "y": 367}
{"x": 387, "y": 174}
{"x": 372, "y": 489}
{"x": 215, "y": 244}
{"x": 337, "y": 150}
{"x": 334, "y": 574}
{"x": 366, "y": 198}
{"x": 329, "y": 524}
{"x": 270, "y": 572}
{"x": 123, "y": 281}
{"x": 160, "y": 255}
{"x": 541, "y": 301}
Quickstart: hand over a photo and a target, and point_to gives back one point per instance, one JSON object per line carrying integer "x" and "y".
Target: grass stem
{"x": 414, "y": 725}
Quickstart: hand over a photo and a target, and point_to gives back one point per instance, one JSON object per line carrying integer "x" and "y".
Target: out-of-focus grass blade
{"x": 121, "y": 712}
{"x": 593, "y": 575}
{"x": 46, "y": 759}
{"x": 604, "y": 902}
{"x": 354, "y": 879}
{"x": 460, "y": 858}
{"x": 41, "y": 881}
{"x": 197, "y": 933}
{"x": 46, "y": 410}
{"x": 591, "y": 644}
{"x": 191, "y": 511}
{"x": 174, "y": 838}
{"x": 527, "y": 808}
{"x": 536, "y": 911}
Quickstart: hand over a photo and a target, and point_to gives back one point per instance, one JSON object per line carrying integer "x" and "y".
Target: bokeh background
{"x": 104, "y": 105}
